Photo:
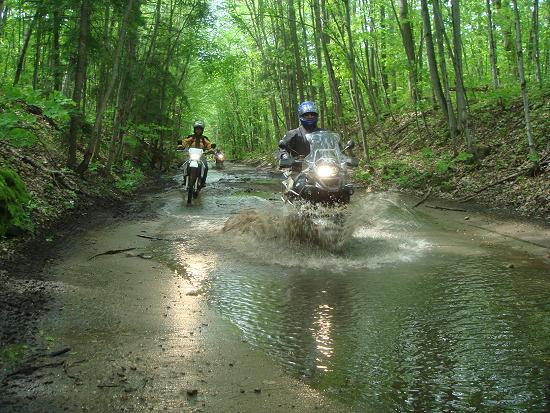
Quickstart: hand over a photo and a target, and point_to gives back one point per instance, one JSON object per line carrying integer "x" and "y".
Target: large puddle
{"x": 407, "y": 314}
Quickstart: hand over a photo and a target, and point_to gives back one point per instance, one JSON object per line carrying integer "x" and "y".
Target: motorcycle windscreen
{"x": 324, "y": 145}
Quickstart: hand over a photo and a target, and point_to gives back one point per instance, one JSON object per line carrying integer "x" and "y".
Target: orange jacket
{"x": 196, "y": 141}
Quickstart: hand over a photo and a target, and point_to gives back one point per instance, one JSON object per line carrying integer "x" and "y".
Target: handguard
{"x": 286, "y": 163}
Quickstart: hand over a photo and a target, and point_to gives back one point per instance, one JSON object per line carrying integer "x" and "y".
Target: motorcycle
{"x": 318, "y": 188}
{"x": 193, "y": 172}
{"x": 219, "y": 158}
{"x": 321, "y": 176}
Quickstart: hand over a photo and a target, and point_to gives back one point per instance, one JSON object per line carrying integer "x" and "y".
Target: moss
{"x": 13, "y": 198}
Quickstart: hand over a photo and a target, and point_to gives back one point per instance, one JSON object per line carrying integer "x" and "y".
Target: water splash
{"x": 308, "y": 226}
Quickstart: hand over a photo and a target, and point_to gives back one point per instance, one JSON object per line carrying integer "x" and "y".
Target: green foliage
{"x": 402, "y": 174}
{"x": 17, "y": 124}
{"x": 13, "y": 198}
{"x": 430, "y": 169}
{"x": 362, "y": 175}
{"x": 464, "y": 157}
{"x": 444, "y": 164}
{"x": 130, "y": 177}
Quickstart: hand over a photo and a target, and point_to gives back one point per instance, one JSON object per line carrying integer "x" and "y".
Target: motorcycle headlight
{"x": 195, "y": 156}
{"x": 220, "y": 157}
{"x": 325, "y": 171}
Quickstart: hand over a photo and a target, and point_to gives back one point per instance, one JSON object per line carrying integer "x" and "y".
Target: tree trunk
{"x": 37, "y": 55}
{"x": 2, "y": 9}
{"x": 80, "y": 77}
{"x": 333, "y": 83}
{"x": 56, "y": 50}
{"x": 23, "y": 52}
{"x": 492, "y": 46}
{"x": 384, "y": 80}
{"x": 296, "y": 50}
{"x": 532, "y": 150}
{"x": 3, "y": 16}
{"x": 405, "y": 27}
{"x": 535, "y": 46}
{"x": 309, "y": 89}
{"x": 369, "y": 74}
{"x": 459, "y": 78}
{"x": 106, "y": 96}
{"x": 125, "y": 96}
{"x": 318, "y": 54}
{"x": 432, "y": 61}
{"x": 357, "y": 92}
{"x": 438, "y": 21}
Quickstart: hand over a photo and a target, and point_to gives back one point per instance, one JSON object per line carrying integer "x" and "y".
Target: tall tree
{"x": 432, "y": 61}
{"x": 461, "y": 102}
{"x": 405, "y": 27}
{"x": 23, "y": 52}
{"x": 492, "y": 45}
{"x": 519, "y": 45}
{"x": 440, "y": 34}
{"x": 356, "y": 90}
{"x": 535, "y": 46}
{"x": 81, "y": 68}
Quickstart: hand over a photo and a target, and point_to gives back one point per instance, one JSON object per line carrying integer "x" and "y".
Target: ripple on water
{"x": 381, "y": 328}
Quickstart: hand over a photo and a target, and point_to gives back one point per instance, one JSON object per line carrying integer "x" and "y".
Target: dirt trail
{"x": 142, "y": 338}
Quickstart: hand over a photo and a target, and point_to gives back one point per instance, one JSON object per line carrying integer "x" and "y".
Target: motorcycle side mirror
{"x": 213, "y": 146}
{"x": 350, "y": 145}
{"x": 282, "y": 144}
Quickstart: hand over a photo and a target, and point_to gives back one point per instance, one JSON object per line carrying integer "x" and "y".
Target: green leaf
{"x": 8, "y": 120}
{"x": 21, "y": 138}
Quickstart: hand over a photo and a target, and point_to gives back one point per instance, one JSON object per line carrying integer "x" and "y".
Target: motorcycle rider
{"x": 198, "y": 140}
{"x": 295, "y": 142}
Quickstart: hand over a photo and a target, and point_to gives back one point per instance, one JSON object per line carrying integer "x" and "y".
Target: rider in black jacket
{"x": 295, "y": 142}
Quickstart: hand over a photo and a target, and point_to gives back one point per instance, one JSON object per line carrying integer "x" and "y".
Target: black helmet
{"x": 198, "y": 124}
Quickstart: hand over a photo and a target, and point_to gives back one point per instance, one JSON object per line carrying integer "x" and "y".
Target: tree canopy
{"x": 123, "y": 79}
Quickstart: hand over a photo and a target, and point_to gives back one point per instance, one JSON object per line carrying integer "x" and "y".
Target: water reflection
{"x": 411, "y": 318}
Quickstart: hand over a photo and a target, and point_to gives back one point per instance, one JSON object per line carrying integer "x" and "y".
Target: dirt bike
{"x": 193, "y": 172}
{"x": 219, "y": 158}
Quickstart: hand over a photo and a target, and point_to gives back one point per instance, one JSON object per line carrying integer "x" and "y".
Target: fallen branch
{"x": 111, "y": 252}
{"x": 153, "y": 238}
{"x": 28, "y": 370}
{"x": 59, "y": 352}
{"x": 446, "y": 209}
{"x": 424, "y": 198}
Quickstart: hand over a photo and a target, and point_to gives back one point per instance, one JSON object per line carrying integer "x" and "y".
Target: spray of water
{"x": 309, "y": 225}
{"x": 375, "y": 229}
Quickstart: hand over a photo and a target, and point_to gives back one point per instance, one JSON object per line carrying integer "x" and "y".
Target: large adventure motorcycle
{"x": 320, "y": 177}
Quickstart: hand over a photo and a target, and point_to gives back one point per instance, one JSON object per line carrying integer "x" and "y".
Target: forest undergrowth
{"x": 414, "y": 153}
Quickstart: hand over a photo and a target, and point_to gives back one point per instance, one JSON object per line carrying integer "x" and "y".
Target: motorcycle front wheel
{"x": 191, "y": 179}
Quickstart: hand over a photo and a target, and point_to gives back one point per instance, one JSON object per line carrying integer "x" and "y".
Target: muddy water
{"x": 414, "y": 311}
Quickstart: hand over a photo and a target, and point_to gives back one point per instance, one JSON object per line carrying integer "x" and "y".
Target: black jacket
{"x": 296, "y": 142}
